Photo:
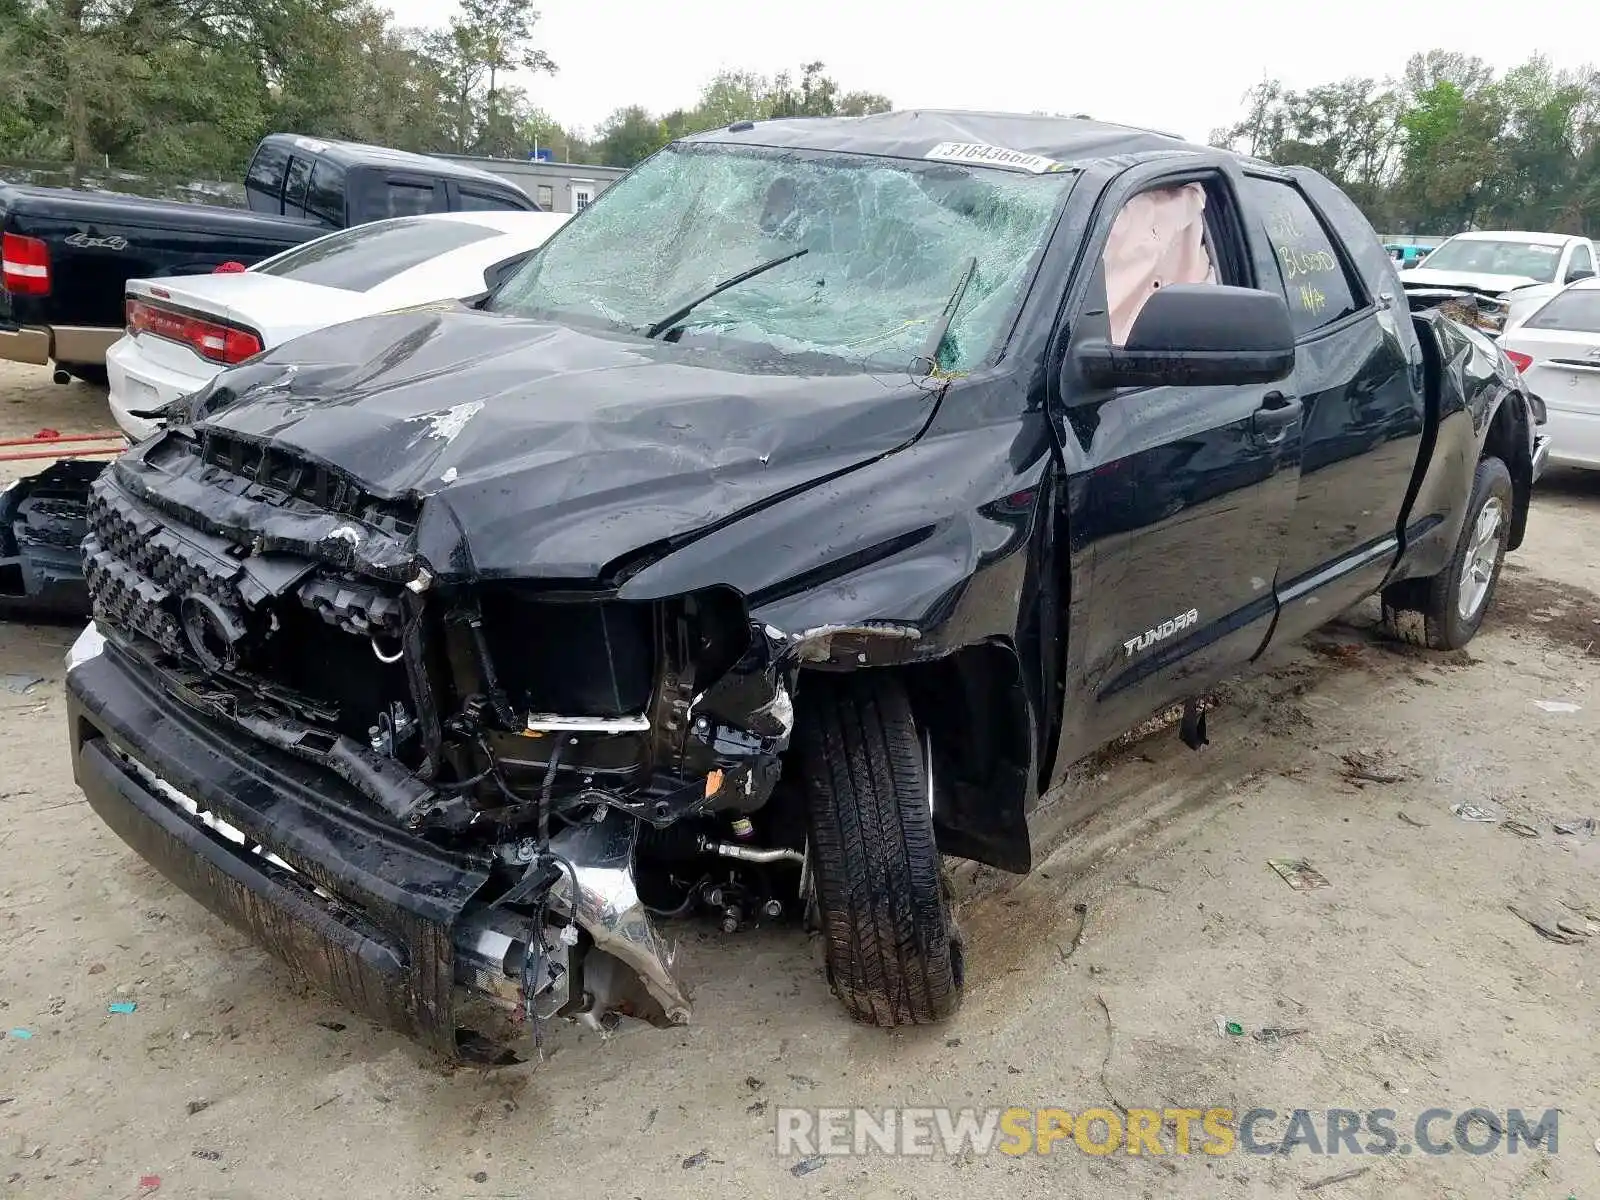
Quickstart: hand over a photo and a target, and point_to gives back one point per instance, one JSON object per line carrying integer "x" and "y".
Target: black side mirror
{"x": 1578, "y": 273}
{"x": 1193, "y": 334}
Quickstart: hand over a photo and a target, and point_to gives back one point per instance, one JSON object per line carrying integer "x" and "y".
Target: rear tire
{"x": 1445, "y": 611}
{"x": 892, "y": 952}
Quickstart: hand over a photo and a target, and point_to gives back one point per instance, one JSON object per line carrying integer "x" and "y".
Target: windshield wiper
{"x": 941, "y": 327}
{"x": 683, "y": 311}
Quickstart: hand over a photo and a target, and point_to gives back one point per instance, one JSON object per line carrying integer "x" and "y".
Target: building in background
{"x": 554, "y": 186}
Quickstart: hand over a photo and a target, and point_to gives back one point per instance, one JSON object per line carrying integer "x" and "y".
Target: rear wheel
{"x": 892, "y": 952}
{"x": 1444, "y": 612}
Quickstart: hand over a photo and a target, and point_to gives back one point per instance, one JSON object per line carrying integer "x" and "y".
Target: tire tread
{"x": 888, "y": 938}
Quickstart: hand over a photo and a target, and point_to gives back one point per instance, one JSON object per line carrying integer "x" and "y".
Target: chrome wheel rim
{"x": 1483, "y": 555}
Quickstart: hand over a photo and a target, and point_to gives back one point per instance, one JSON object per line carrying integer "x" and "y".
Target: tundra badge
{"x": 1161, "y": 632}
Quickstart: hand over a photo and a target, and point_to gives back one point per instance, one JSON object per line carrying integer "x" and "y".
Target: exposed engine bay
{"x": 608, "y": 762}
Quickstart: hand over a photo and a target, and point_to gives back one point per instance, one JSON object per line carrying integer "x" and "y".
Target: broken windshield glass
{"x": 886, "y": 241}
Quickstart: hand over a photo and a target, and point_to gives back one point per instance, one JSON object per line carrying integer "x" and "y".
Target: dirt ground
{"x": 1096, "y": 981}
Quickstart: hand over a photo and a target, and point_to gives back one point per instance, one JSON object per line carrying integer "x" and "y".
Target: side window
{"x": 325, "y": 196}
{"x": 1158, "y": 238}
{"x": 294, "y": 188}
{"x": 472, "y": 201}
{"x": 1582, "y": 260}
{"x": 545, "y": 197}
{"x": 407, "y": 199}
{"x": 1314, "y": 277}
{"x": 263, "y": 181}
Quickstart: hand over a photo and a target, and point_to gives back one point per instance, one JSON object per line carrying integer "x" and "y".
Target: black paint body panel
{"x": 386, "y": 951}
{"x": 1071, "y": 562}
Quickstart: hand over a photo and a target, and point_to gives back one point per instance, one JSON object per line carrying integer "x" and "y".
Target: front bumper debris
{"x": 42, "y": 525}
{"x": 383, "y": 921}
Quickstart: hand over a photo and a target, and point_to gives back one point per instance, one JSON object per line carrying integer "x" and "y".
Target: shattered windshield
{"x": 886, "y": 244}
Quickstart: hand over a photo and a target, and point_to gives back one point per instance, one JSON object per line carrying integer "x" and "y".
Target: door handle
{"x": 1270, "y": 422}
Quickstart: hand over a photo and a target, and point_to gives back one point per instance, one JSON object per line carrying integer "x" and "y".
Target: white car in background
{"x": 1519, "y": 268}
{"x": 1557, "y": 349}
{"x": 184, "y": 329}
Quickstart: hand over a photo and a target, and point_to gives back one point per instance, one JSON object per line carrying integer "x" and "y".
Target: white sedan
{"x": 1557, "y": 349}
{"x": 184, "y": 329}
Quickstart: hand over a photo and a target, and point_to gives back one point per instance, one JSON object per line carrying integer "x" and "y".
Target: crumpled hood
{"x": 1477, "y": 280}
{"x": 539, "y": 450}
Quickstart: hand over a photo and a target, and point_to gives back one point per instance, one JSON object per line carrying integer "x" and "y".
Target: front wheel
{"x": 1445, "y": 611}
{"x": 892, "y": 952}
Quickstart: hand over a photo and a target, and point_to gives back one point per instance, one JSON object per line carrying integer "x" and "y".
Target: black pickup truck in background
{"x": 67, "y": 258}
{"x": 492, "y": 631}
{"x": 68, "y": 254}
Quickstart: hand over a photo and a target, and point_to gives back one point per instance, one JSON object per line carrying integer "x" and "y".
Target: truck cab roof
{"x": 1036, "y": 143}
{"x": 354, "y": 154}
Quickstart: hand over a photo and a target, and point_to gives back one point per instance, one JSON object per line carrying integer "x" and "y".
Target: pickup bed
{"x": 68, "y": 254}
{"x": 793, "y": 520}
{"x": 67, "y": 257}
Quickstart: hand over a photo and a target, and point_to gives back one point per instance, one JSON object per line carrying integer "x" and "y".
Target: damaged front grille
{"x": 210, "y": 603}
{"x": 253, "y": 470}
{"x": 455, "y": 708}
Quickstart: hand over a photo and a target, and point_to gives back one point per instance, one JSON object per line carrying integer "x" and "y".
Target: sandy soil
{"x": 31, "y": 403}
{"x": 1406, "y": 984}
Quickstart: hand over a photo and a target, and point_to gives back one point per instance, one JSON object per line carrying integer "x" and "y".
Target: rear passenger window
{"x": 294, "y": 189}
{"x": 1313, "y": 275}
{"x": 483, "y": 202}
{"x": 264, "y": 180}
{"x": 1576, "y": 310}
{"x": 407, "y": 199}
{"x": 325, "y": 197}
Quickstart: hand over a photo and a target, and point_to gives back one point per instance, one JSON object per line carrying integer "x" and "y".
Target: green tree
{"x": 861, "y": 104}
{"x": 629, "y": 136}
{"x": 483, "y": 42}
{"x": 1447, "y": 145}
{"x": 1451, "y": 120}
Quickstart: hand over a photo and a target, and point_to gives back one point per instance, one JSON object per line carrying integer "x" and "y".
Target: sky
{"x": 1179, "y": 68}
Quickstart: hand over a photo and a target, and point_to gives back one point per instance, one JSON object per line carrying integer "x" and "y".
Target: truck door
{"x": 1179, "y": 498}
{"x": 1358, "y": 372}
{"x": 379, "y": 194}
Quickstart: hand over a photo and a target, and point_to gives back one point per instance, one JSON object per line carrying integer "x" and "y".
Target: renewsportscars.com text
{"x": 809, "y": 1132}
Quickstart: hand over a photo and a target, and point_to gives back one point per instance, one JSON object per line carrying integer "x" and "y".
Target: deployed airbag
{"x": 1158, "y": 240}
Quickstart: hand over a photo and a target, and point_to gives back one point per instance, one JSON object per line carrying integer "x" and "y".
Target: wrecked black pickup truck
{"x": 793, "y": 521}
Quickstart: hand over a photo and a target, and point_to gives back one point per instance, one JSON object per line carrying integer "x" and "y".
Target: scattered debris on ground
{"x": 1299, "y": 874}
{"x": 1362, "y": 767}
{"x": 1553, "y": 924}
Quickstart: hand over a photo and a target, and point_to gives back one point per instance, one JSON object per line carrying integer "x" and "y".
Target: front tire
{"x": 1445, "y": 611}
{"x": 892, "y": 953}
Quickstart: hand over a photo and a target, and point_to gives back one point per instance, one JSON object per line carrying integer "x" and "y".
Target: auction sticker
{"x": 992, "y": 156}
